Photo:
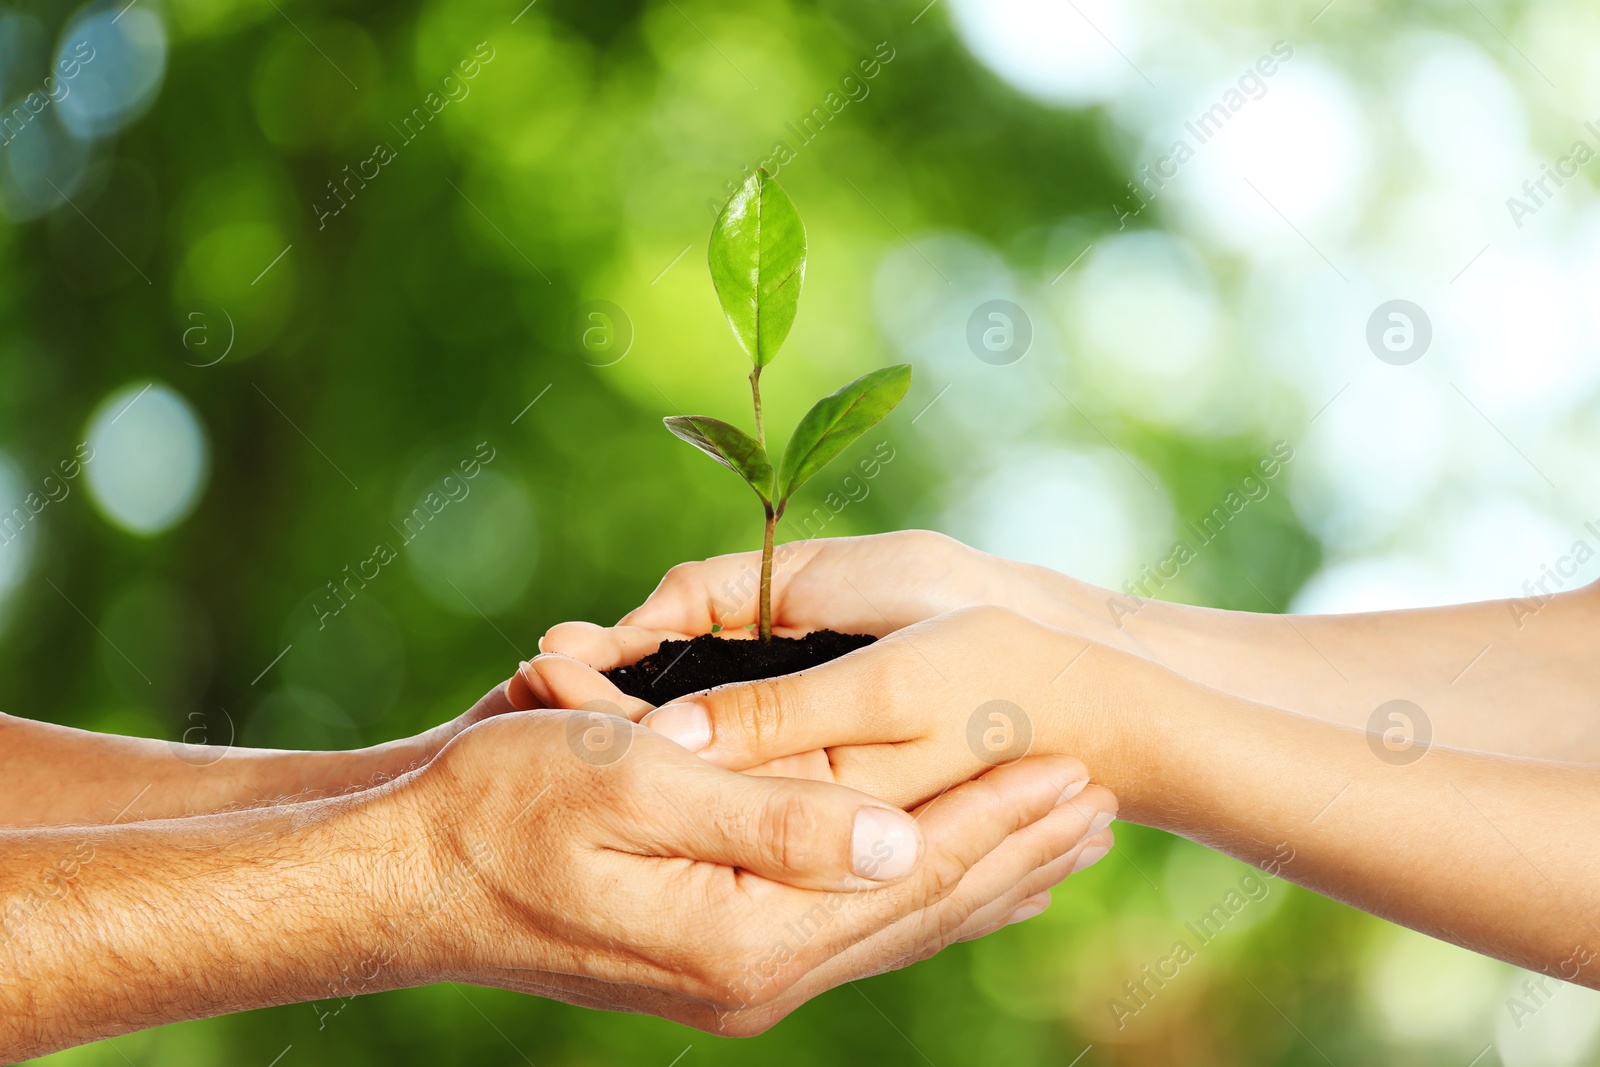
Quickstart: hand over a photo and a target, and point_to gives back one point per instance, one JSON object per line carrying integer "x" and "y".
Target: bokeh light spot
{"x": 121, "y": 60}
{"x": 150, "y": 458}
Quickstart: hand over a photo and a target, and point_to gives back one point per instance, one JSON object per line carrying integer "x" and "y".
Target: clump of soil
{"x": 679, "y": 668}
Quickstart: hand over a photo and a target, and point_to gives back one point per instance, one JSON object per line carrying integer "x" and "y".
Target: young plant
{"x": 758, "y": 262}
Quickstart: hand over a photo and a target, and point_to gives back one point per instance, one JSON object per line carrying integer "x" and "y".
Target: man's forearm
{"x": 57, "y": 776}
{"x": 112, "y": 929}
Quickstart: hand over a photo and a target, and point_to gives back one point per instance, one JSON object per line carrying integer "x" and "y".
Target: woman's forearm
{"x": 112, "y": 929}
{"x": 1462, "y": 665}
{"x": 1491, "y": 852}
{"x": 57, "y": 776}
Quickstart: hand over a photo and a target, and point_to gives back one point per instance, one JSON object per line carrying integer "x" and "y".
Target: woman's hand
{"x": 872, "y": 585}
{"x": 933, "y": 703}
{"x": 1330, "y": 807}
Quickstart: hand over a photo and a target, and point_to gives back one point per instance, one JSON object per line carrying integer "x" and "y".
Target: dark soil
{"x": 679, "y": 668}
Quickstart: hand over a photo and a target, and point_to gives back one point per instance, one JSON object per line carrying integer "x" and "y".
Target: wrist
{"x": 389, "y": 864}
{"x": 1114, "y": 711}
{"x": 436, "y": 817}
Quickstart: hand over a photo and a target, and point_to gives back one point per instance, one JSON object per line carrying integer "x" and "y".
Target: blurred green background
{"x": 283, "y": 266}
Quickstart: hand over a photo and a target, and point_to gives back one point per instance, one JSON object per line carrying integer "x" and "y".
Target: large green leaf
{"x": 729, "y": 446}
{"x": 837, "y": 420}
{"x": 758, "y": 262}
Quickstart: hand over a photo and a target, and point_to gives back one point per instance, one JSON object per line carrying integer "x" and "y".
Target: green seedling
{"x": 758, "y": 263}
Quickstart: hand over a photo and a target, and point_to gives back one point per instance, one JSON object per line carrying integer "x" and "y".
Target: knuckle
{"x": 756, "y": 712}
{"x": 947, "y": 924}
{"x": 789, "y": 829}
{"x": 715, "y": 980}
{"x": 1096, "y": 798}
{"x": 943, "y": 871}
{"x": 926, "y": 539}
{"x": 679, "y": 576}
{"x": 992, "y": 618}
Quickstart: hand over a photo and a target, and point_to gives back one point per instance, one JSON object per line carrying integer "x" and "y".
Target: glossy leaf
{"x": 758, "y": 263}
{"x": 836, "y": 421}
{"x": 729, "y": 446}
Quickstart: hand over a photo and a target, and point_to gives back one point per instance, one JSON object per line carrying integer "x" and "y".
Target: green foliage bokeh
{"x": 423, "y": 317}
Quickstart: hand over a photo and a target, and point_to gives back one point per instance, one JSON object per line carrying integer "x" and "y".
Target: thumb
{"x": 749, "y": 723}
{"x": 810, "y": 835}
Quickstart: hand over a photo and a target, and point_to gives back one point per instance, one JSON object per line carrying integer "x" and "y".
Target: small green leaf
{"x": 836, "y": 421}
{"x": 758, "y": 262}
{"x": 729, "y": 446}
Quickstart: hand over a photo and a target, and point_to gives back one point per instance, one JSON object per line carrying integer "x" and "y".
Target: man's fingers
{"x": 1009, "y": 907}
{"x": 1024, "y": 863}
{"x": 975, "y": 818}
{"x": 810, "y": 835}
{"x": 1011, "y": 872}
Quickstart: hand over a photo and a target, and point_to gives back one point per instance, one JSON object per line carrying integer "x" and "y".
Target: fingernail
{"x": 1100, "y": 822}
{"x": 1025, "y": 912}
{"x": 687, "y": 724}
{"x": 1090, "y": 856}
{"x": 1071, "y": 791}
{"x": 884, "y": 845}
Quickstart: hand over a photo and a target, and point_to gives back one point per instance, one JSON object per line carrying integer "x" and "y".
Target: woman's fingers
{"x": 606, "y": 647}
{"x": 723, "y": 592}
{"x": 747, "y": 724}
{"x": 562, "y": 682}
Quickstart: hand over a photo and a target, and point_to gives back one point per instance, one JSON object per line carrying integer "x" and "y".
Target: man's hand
{"x": 566, "y": 854}
{"x": 612, "y": 868}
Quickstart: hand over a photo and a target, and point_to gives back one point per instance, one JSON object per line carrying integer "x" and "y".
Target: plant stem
{"x": 765, "y": 626}
{"x": 755, "y": 395}
{"x": 765, "y": 631}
